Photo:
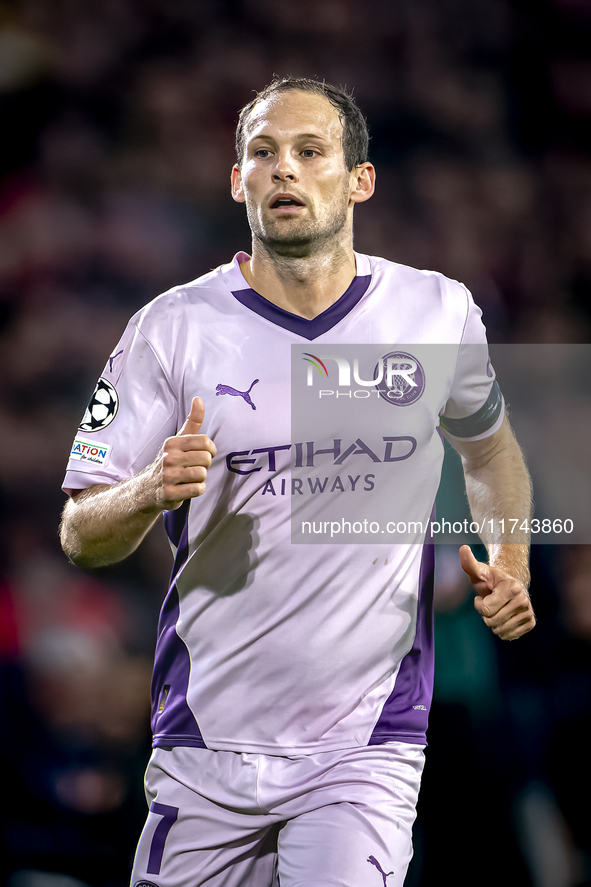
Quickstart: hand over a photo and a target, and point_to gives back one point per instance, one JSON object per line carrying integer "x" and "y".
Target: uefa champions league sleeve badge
{"x": 101, "y": 409}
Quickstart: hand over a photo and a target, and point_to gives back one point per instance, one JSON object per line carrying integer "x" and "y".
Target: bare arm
{"x": 499, "y": 487}
{"x": 104, "y": 524}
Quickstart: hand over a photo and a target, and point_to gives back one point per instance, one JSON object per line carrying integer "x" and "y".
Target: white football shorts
{"x": 229, "y": 819}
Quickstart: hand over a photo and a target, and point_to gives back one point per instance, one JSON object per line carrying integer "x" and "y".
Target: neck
{"x": 306, "y": 285}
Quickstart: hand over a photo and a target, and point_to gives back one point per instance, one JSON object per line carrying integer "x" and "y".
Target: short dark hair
{"x": 355, "y": 134}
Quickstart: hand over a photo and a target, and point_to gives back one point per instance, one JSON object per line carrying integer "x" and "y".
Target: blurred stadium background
{"x": 117, "y": 124}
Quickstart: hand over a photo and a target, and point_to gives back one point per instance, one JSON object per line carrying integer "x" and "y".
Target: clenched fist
{"x": 185, "y": 460}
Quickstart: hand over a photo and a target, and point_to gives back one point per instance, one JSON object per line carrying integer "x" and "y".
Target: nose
{"x": 284, "y": 170}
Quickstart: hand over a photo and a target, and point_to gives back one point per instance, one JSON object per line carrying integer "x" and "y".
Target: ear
{"x": 237, "y": 189}
{"x": 363, "y": 180}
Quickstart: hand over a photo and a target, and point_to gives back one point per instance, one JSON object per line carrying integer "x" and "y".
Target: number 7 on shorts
{"x": 169, "y": 817}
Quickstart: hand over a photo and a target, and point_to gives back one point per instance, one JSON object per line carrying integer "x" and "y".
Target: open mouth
{"x": 285, "y": 200}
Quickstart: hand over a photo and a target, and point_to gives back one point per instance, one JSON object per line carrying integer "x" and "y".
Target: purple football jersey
{"x": 264, "y": 645}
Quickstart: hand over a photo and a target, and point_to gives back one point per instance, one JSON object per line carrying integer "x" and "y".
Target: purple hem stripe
{"x": 414, "y": 738}
{"x": 172, "y": 740}
{"x": 308, "y": 329}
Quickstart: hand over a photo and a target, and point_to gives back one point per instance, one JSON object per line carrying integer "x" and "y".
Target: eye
{"x": 263, "y": 153}
{"x": 309, "y": 152}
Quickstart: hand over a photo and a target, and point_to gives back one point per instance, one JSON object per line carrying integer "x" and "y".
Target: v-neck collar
{"x": 301, "y": 326}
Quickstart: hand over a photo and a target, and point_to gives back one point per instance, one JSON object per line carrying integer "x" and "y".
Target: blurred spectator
{"x": 76, "y": 706}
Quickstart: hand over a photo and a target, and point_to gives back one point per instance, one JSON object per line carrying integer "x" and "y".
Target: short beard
{"x": 303, "y": 240}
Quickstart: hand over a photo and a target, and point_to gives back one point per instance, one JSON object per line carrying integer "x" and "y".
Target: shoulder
{"x": 171, "y": 310}
{"x": 406, "y": 275}
{"x": 425, "y": 288}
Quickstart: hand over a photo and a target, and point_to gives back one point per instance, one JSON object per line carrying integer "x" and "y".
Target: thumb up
{"x": 185, "y": 460}
{"x": 194, "y": 420}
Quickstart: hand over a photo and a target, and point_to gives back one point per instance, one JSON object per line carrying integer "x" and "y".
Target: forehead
{"x": 287, "y": 114}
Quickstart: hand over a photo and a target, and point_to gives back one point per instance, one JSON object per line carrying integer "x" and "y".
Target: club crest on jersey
{"x": 245, "y": 395}
{"x": 403, "y": 378}
{"x": 398, "y": 377}
{"x": 102, "y": 407}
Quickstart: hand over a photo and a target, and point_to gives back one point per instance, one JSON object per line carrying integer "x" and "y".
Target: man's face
{"x": 293, "y": 177}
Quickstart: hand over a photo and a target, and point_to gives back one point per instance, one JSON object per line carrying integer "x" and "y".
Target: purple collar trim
{"x": 308, "y": 329}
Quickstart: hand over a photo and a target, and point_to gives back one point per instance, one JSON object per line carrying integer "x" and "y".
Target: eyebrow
{"x": 311, "y": 135}
{"x": 301, "y": 135}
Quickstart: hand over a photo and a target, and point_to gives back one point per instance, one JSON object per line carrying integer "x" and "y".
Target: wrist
{"x": 146, "y": 491}
{"x": 513, "y": 559}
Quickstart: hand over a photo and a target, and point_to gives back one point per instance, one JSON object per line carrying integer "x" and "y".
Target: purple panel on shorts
{"x": 308, "y": 329}
{"x": 175, "y": 724}
{"x": 405, "y": 714}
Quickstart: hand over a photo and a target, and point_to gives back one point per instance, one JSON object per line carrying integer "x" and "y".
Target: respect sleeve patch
{"x": 89, "y": 450}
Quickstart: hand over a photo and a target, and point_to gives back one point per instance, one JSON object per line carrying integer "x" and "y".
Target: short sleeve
{"x": 475, "y": 408}
{"x": 132, "y": 411}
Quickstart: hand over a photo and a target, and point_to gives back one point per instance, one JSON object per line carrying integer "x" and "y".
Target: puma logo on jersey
{"x": 374, "y": 861}
{"x": 227, "y": 389}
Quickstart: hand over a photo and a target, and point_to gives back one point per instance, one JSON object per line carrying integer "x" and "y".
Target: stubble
{"x": 293, "y": 238}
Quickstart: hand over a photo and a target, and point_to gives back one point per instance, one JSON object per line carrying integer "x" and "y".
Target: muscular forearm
{"x": 499, "y": 493}
{"x": 104, "y": 524}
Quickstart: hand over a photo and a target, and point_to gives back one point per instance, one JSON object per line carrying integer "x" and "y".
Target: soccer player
{"x": 291, "y": 684}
